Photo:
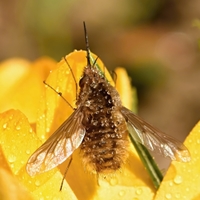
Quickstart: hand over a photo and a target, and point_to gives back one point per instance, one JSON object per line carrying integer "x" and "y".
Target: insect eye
{"x": 83, "y": 81}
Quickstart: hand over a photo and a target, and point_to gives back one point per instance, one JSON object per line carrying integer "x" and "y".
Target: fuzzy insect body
{"x": 105, "y": 144}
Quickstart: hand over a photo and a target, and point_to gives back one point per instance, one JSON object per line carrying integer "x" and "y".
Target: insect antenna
{"x": 59, "y": 93}
{"x": 70, "y": 161}
{"x": 87, "y": 45}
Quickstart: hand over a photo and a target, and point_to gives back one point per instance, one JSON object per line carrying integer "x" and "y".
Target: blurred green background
{"x": 156, "y": 40}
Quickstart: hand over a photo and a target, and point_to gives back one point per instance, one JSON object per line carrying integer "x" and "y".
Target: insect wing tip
{"x": 30, "y": 169}
{"x": 183, "y": 156}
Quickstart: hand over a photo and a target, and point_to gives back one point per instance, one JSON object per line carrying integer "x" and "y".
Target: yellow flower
{"x": 41, "y": 112}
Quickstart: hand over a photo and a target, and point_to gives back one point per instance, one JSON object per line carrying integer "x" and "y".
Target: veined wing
{"x": 59, "y": 146}
{"x": 154, "y": 139}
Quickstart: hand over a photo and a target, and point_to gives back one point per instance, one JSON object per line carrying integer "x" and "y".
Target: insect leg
{"x": 70, "y": 161}
{"x": 59, "y": 93}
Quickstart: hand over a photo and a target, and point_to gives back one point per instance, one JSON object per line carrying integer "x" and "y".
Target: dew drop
{"x": 37, "y": 183}
{"x": 168, "y": 196}
{"x": 95, "y": 123}
{"x": 109, "y": 101}
{"x": 5, "y": 126}
{"x": 22, "y": 162}
{"x": 11, "y": 165}
{"x": 121, "y": 193}
{"x": 28, "y": 152}
{"x": 58, "y": 88}
{"x": 178, "y": 179}
{"x": 12, "y": 158}
{"x": 116, "y": 123}
{"x": 87, "y": 103}
{"x": 30, "y": 130}
{"x": 195, "y": 152}
{"x": 139, "y": 191}
{"x": 47, "y": 129}
{"x": 42, "y": 117}
{"x": 43, "y": 137}
{"x": 198, "y": 141}
{"x": 171, "y": 184}
{"x": 113, "y": 181}
{"x": 67, "y": 72}
{"x": 190, "y": 141}
{"x": 18, "y": 127}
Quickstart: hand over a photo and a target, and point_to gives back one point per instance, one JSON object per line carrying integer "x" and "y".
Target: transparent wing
{"x": 60, "y": 145}
{"x": 154, "y": 139}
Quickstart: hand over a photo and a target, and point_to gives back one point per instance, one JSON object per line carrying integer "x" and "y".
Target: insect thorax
{"x": 104, "y": 146}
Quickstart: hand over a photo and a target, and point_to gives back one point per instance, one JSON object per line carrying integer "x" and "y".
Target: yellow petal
{"x": 10, "y": 188}
{"x": 50, "y": 190}
{"x": 23, "y": 90}
{"x": 127, "y": 93}
{"x": 183, "y": 179}
{"x": 15, "y": 66}
{"x": 3, "y": 161}
{"x": 18, "y": 142}
{"x": 15, "y": 134}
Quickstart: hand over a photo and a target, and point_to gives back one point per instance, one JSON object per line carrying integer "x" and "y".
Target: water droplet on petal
{"x": 121, "y": 193}
{"x": 28, "y": 152}
{"x": 190, "y": 141}
{"x": 168, "y": 196}
{"x": 22, "y": 162}
{"x": 139, "y": 191}
{"x": 12, "y": 158}
{"x": 178, "y": 179}
{"x": 5, "y": 126}
{"x": 18, "y": 127}
{"x": 195, "y": 152}
{"x": 113, "y": 181}
{"x": 47, "y": 129}
{"x": 171, "y": 183}
{"x": 187, "y": 189}
{"x": 37, "y": 183}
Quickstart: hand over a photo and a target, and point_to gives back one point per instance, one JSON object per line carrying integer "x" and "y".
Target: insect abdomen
{"x": 104, "y": 147}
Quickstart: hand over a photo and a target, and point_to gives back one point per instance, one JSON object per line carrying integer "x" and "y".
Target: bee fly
{"x": 100, "y": 126}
